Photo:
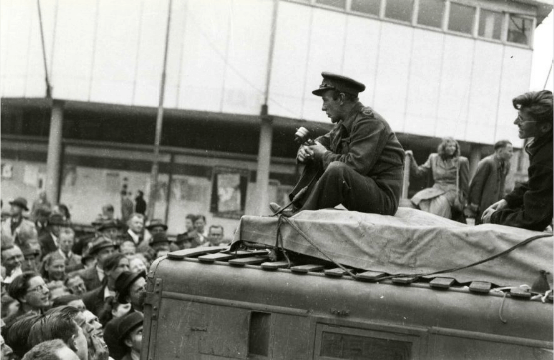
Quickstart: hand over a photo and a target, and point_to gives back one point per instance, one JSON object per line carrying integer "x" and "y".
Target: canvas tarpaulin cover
{"x": 411, "y": 242}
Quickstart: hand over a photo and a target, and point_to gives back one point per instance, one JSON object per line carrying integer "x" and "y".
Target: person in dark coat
{"x": 140, "y": 204}
{"x": 101, "y": 249}
{"x": 98, "y": 301}
{"x": 529, "y": 205}
{"x": 49, "y": 240}
{"x": 358, "y": 164}
{"x": 488, "y": 183}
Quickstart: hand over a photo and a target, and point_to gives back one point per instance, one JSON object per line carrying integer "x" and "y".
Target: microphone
{"x": 302, "y": 136}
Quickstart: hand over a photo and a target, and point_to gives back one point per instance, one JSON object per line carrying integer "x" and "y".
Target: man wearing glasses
{"x": 30, "y": 290}
{"x": 529, "y": 205}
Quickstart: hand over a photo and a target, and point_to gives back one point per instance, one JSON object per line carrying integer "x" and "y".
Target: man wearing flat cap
{"x": 358, "y": 164}
{"x": 11, "y": 225}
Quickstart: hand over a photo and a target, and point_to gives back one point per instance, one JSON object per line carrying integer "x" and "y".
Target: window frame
{"x": 503, "y": 29}
{"x": 445, "y": 19}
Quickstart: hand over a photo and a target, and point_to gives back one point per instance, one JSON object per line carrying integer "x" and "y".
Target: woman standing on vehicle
{"x": 451, "y": 178}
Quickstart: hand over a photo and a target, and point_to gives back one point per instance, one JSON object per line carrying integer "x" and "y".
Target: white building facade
{"x": 433, "y": 68}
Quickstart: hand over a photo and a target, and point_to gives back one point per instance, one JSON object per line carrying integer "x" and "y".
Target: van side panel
{"x": 454, "y": 348}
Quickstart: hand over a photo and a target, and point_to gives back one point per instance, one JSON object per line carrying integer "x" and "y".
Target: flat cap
{"x": 123, "y": 283}
{"x": 21, "y": 202}
{"x": 338, "y": 82}
{"x": 100, "y": 243}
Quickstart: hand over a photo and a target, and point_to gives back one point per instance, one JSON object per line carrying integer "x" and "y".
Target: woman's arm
{"x": 422, "y": 170}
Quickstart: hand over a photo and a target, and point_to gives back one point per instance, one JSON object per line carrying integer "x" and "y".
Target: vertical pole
{"x": 169, "y": 181}
{"x": 159, "y": 121}
{"x": 264, "y": 160}
{"x": 406, "y": 181}
{"x": 266, "y": 128}
{"x": 53, "y": 163}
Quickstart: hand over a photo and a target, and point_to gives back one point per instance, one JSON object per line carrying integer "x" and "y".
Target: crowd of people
{"x": 81, "y": 297}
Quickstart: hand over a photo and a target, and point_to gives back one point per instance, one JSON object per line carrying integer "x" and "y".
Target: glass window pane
{"x": 461, "y": 18}
{"x": 430, "y": 13}
{"x": 366, "y": 6}
{"x": 519, "y": 29}
{"x": 399, "y": 10}
{"x": 490, "y": 24}
{"x": 334, "y": 3}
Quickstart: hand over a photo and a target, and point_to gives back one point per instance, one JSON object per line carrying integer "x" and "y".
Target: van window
{"x": 345, "y": 346}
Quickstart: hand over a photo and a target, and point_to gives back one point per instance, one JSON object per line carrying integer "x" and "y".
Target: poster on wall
{"x": 7, "y": 171}
{"x": 229, "y": 188}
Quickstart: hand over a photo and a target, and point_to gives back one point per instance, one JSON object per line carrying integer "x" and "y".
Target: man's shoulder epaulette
{"x": 367, "y": 111}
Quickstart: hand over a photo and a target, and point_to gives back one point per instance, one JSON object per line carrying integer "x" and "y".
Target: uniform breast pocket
{"x": 345, "y": 145}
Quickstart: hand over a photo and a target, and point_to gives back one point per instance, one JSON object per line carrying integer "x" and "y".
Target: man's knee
{"x": 336, "y": 169}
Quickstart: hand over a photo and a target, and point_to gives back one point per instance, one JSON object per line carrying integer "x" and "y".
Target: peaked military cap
{"x": 338, "y": 82}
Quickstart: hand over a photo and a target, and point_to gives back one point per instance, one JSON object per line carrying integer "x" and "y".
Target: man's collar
{"x": 534, "y": 145}
{"x": 134, "y": 355}
{"x": 108, "y": 293}
{"x": 133, "y": 235}
{"x": 347, "y": 122}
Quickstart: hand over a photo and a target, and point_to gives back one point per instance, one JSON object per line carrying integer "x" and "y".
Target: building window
{"x": 461, "y": 18}
{"x": 399, "y": 10}
{"x": 430, "y": 13}
{"x": 341, "y": 4}
{"x": 490, "y": 24}
{"x": 519, "y": 29}
{"x": 366, "y": 6}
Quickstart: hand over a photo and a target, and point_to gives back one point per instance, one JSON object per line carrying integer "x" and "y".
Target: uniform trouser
{"x": 340, "y": 184}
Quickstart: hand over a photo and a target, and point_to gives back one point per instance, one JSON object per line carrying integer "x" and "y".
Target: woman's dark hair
{"x": 191, "y": 217}
{"x": 18, "y": 332}
{"x": 57, "y": 323}
{"x": 65, "y": 211}
{"x": 19, "y": 286}
{"x": 443, "y": 144}
{"x": 537, "y": 103}
{"x": 113, "y": 261}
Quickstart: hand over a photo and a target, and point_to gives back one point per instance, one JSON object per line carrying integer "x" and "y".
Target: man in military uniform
{"x": 358, "y": 164}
